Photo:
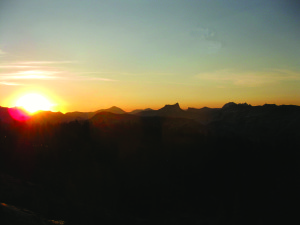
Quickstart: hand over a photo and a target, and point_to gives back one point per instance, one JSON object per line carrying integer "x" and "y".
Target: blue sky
{"x": 136, "y": 54}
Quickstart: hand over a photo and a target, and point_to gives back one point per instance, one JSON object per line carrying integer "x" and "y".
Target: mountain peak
{"x": 136, "y": 111}
{"x": 173, "y": 107}
{"x": 174, "y": 110}
{"x": 232, "y": 107}
{"x": 113, "y": 109}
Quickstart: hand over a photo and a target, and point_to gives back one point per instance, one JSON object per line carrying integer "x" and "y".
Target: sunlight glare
{"x": 33, "y": 103}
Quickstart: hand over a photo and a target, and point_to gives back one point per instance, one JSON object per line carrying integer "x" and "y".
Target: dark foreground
{"x": 240, "y": 165}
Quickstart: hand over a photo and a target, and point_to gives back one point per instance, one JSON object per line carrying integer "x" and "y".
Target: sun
{"x": 33, "y": 103}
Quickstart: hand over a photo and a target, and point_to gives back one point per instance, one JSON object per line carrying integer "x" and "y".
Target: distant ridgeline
{"x": 242, "y": 119}
{"x": 238, "y": 164}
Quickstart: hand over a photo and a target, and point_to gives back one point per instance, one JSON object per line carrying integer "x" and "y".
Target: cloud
{"x": 12, "y": 66}
{"x": 48, "y": 62}
{"x": 42, "y": 70}
{"x": 49, "y": 75}
{"x": 250, "y": 79}
{"x": 33, "y": 64}
{"x": 98, "y": 78}
{"x": 109, "y": 72}
{"x": 65, "y": 75}
{"x": 8, "y": 83}
{"x": 85, "y": 78}
{"x": 151, "y": 73}
{"x": 24, "y": 75}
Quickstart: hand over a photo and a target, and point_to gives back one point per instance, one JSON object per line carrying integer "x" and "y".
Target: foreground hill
{"x": 11, "y": 215}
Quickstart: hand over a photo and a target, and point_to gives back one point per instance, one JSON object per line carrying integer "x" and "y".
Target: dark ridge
{"x": 136, "y": 111}
{"x": 232, "y": 105}
{"x": 108, "y": 117}
{"x": 171, "y": 107}
{"x": 112, "y": 109}
{"x": 167, "y": 110}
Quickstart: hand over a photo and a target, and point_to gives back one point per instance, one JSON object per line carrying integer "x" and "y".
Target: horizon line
{"x": 185, "y": 109}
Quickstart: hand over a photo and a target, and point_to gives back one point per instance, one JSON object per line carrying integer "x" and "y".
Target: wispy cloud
{"x": 108, "y": 72}
{"x": 50, "y": 75}
{"x": 73, "y": 76}
{"x": 12, "y": 66}
{"x": 8, "y": 83}
{"x": 33, "y": 64}
{"x": 44, "y": 70}
{"x": 250, "y": 79}
{"x": 49, "y": 70}
{"x": 155, "y": 73}
{"x": 97, "y": 78}
{"x": 35, "y": 74}
{"x": 76, "y": 77}
{"x": 47, "y": 62}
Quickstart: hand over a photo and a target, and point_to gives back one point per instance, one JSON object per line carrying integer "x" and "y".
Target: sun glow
{"x": 33, "y": 103}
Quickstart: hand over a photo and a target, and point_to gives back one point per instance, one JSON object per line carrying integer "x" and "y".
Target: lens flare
{"x": 18, "y": 114}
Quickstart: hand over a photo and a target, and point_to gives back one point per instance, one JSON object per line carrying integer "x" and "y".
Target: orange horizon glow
{"x": 56, "y": 104}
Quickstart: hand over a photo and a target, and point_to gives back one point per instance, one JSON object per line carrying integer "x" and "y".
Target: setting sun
{"x": 34, "y": 102}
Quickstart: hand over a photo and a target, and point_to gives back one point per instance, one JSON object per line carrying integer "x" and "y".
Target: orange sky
{"x": 145, "y": 54}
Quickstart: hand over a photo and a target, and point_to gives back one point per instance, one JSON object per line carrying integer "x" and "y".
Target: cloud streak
{"x": 16, "y": 66}
{"x": 49, "y": 75}
{"x": 24, "y": 75}
{"x": 33, "y": 64}
{"x": 44, "y": 70}
{"x": 75, "y": 77}
{"x": 250, "y": 79}
{"x": 8, "y": 83}
{"x": 48, "y": 62}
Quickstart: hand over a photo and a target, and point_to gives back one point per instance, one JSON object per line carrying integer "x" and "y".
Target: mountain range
{"x": 239, "y": 119}
{"x": 230, "y": 111}
{"x": 198, "y": 166}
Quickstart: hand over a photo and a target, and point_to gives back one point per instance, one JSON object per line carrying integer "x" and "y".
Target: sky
{"x": 135, "y": 54}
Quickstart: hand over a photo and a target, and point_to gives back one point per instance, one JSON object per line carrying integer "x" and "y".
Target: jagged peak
{"x": 229, "y": 104}
{"x": 175, "y": 106}
{"x": 233, "y": 105}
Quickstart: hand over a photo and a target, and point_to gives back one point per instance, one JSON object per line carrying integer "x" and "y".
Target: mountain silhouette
{"x": 229, "y": 115}
{"x": 109, "y": 118}
{"x": 70, "y": 116}
{"x": 136, "y": 111}
{"x": 112, "y": 109}
{"x": 219, "y": 166}
{"x": 166, "y": 111}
